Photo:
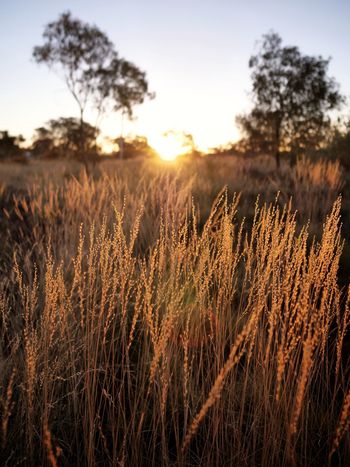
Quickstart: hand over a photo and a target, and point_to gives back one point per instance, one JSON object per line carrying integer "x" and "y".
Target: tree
{"x": 292, "y": 97}
{"x": 90, "y": 66}
{"x": 43, "y": 143}
{"x": 339, "y": 142}
{"x": 62, "y": 138}
{"x": 9, "y": 145}
{"x": 136, "y": 146}
{"x": 77, "y": 52}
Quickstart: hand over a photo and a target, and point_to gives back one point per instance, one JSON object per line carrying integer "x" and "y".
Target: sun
{"x": 168, "y": 146}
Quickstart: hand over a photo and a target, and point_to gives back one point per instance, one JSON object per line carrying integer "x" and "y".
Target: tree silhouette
{"x": 292, "y": 97}
{"x": 76, "y": 51}
{"x": 62, "y": 138}
{"x": 133, "y": 147}
{"x": 90, "y": 66}
{"x": 9, "y": 145}
{"x": 339, "y": 142}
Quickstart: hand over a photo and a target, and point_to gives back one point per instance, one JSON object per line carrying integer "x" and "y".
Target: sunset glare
{"x": 168, "y": 146}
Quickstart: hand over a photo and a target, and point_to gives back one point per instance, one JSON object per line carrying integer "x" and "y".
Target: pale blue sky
{"x": 195, "y": 53}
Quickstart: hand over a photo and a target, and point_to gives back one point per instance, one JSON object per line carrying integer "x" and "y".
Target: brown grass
{"x": 140, "y": 327}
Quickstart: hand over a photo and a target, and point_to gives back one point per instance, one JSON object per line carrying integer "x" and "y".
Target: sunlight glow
{"x": 107, "y": 145}
{"x": 169, "y": 146}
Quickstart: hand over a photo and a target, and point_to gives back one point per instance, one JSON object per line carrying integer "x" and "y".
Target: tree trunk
{"x": 278, "y": 159}
{"x": 121, "y": 148}
{"x": 82, "y": 155}
{"x": 81, "y": 139}
{"x": 277, "y": 144}
{"x": 121, "y": 139}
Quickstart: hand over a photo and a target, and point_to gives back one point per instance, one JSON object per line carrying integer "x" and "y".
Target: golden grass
{"x": 139, "y": 327}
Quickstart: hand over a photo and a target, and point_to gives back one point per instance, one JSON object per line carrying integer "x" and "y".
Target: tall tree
{"x": 292, "y": 97}
{"x": 76, "y": 51}
{"x": 90, "y": 66}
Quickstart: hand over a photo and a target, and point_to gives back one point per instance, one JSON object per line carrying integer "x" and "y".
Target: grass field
{"x": 194, "y": 313}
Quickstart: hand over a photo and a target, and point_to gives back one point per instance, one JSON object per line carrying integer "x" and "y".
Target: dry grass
{"x": 140, "y": 327}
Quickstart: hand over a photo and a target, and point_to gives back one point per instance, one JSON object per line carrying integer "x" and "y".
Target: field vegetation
{"x": 166, "y": 314}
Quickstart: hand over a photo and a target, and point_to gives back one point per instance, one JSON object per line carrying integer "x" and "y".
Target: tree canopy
{"x": 122, "y": 85}
{"x": 292, "y": 97}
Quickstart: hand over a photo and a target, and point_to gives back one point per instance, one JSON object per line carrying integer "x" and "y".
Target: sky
{"x": 195, "y": 54}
